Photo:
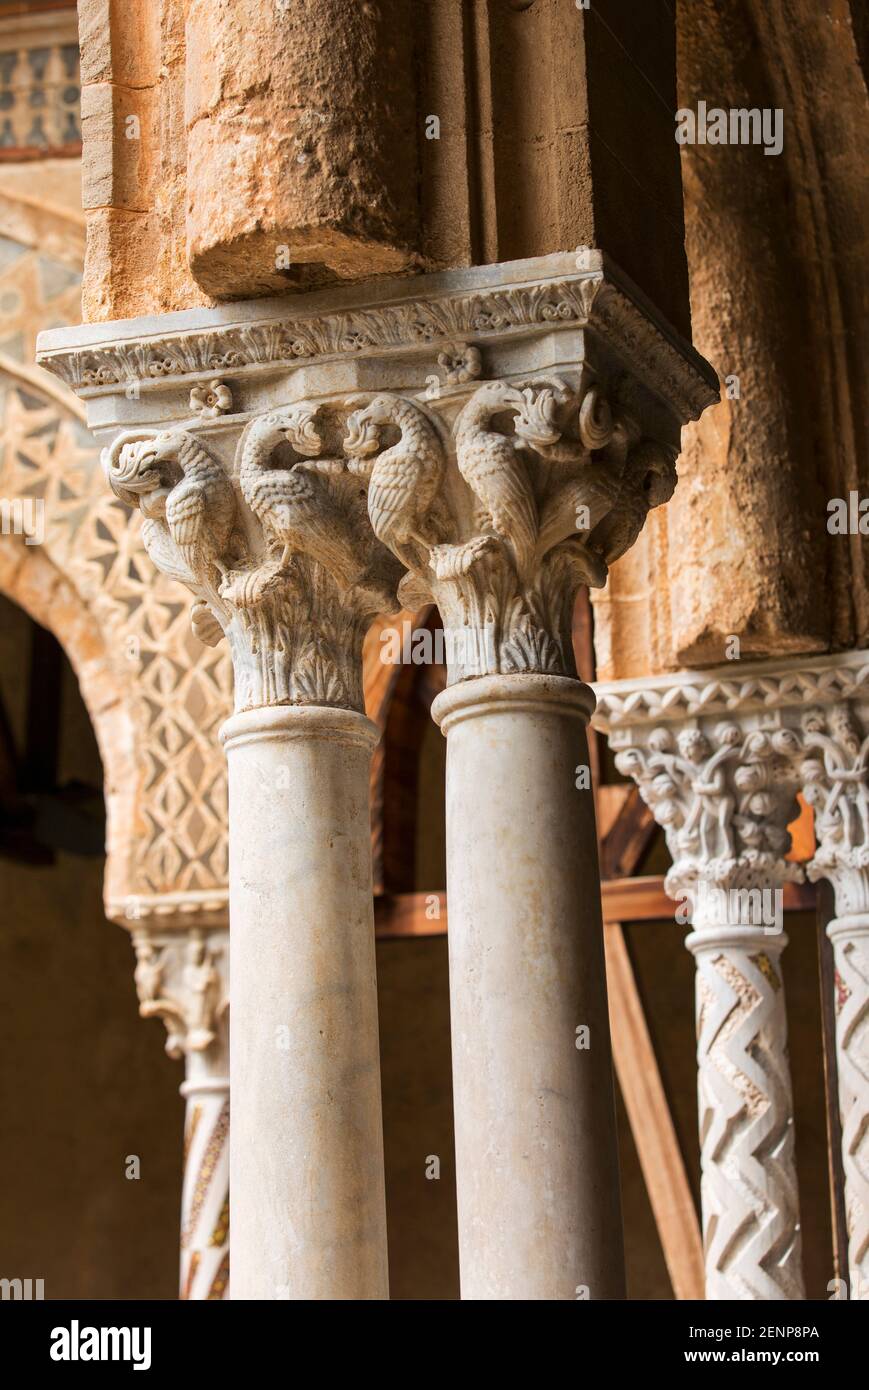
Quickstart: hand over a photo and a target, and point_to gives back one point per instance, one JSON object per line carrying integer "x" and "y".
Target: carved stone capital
{"x": 499, "y": 434}
{"x": 724, "y": 791}
{"x": 273, "y": 539}
{"x": 835, "y": 782}
{"x": 804, "y": 720}
{"x": 182, "y": 976}
{"x": 500, "y": 499}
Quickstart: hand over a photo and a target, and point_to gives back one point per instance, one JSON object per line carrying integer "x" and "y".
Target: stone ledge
{"x": 765, "y": 685}
{"x": 391, "y": 317}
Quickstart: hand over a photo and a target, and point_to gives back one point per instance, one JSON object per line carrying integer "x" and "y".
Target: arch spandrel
{"x": 155, "y": 694}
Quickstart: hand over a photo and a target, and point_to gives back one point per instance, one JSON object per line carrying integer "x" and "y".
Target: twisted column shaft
{"x": 720, "y": 776}
{"x": 205, "y": 1192}
{"x": 745, "y": 1104}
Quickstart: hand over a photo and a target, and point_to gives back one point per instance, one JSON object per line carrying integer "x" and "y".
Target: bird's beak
{"x": 362, "y": 435}
{"x": 513, "y": 396}
{"x": 536, "y": 438}
{"x": 129, "y": 466}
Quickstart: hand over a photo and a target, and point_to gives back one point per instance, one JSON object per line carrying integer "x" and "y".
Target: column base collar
{"x": 529, "y": 694}
{"x": 282, "y": 722}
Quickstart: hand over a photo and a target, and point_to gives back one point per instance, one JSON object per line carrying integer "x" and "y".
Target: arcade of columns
{"x": 487, "y": 439}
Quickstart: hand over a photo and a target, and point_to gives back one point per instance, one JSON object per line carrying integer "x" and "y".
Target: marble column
{"x": 182, "y": 976}
{"x": 305, "y": 1049}
{"x": 835, "y": 781}
{"x": 525, "y": 487}
{"x": 718, "y": 767}
{"x": 275, "y": 544}
{"x": 487, "y": 439}
{"x": 536, "y": 1151}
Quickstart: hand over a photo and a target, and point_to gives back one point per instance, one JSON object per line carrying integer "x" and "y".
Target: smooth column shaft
{"x": 536, "y": 1153}
{"x": 306, "y": 1156}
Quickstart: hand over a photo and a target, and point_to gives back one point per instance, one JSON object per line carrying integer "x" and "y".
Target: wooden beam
{"x": 583, "y": 653}
{"x": 627, "y": 839}
{"x": 644, "y": 899}
{"x": 651, "y": 1123}
{"x": 410, "y": 914}
{"x": 636, "y": 899}
{"x": 624, "y": 900}
{"x": 379, "y": 679}
{"x": 608, "y": 802}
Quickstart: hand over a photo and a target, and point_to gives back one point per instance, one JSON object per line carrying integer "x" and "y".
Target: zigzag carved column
{"x": 835, "y": 781}
{"x": 182, "y": 976}
{"x": 717, "y": 763}
{"x": 489, "y": 439}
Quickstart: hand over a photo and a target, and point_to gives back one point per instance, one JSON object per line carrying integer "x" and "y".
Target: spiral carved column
{"x": 719, "y": 771}
{"x": 835, "y": 780}
{"x": 205, "y": 1194}
{"x": 745, "y": 1103}
{"x": 182, "y": 976}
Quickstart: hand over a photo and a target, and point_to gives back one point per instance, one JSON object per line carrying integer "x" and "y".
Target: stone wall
{"x": 777, "y": 257}
{"x": 233, "y": 148}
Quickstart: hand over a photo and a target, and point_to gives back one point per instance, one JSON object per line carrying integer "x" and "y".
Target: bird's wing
{"x": 329, "y": 539}
{"x": 297, "y": 508}
{"x": 391, "y": 491}
{"x": 499, "y": 480}
{"x": 165, "y": 553}
{"x": 185, "y": 512}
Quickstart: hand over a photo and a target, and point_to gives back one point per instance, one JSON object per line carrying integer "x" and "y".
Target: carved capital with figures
{"x": 487, "y": 439}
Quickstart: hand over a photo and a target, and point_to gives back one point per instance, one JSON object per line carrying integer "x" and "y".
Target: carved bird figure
{"x": 403, "y": 480}
{"x": 490, "y": 464}
{"x": 197, "y": 508}
{"x": 649, "y": 479}
{"x": 577, "y": 505}
{"x": 294, "y": 504}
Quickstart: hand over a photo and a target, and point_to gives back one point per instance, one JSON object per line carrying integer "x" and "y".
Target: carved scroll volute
{"x": 501, "y": 499}
{"x": 276, "y": 547}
